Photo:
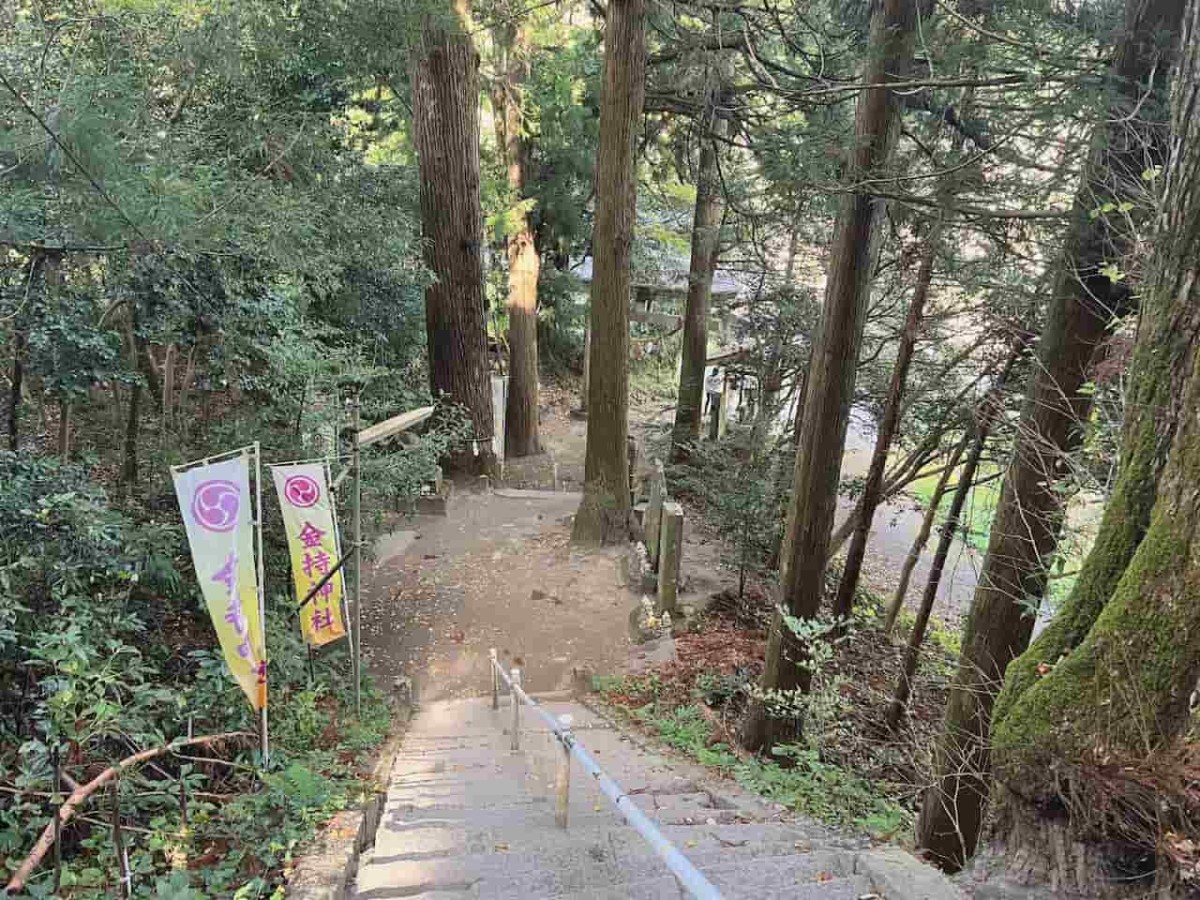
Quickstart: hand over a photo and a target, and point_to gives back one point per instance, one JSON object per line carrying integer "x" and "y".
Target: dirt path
{"x": 498, "y": 571}
{"x": 495, "y": 571}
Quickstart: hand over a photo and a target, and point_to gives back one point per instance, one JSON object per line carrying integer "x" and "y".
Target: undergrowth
{"x": 106, "y": 650}
{"x": 807, "y": 784}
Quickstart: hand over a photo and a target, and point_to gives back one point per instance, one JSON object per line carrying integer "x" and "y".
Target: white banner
{"x": 215, "y": 502}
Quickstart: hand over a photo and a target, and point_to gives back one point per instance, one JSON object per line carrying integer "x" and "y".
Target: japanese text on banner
{"x": 312, "y": 536}
{"x": 215, "y": 502}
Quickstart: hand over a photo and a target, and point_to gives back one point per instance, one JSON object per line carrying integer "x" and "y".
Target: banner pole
{"x": 262, "y": 601}
{"x": 356, "y": 500}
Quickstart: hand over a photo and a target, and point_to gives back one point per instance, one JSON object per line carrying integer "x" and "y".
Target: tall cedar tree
{"x": 603, "y": 515}
{"x": 706, "y": 234}
{"x": 830, "y": 383}
{"x": 889, "y": 424}
{"x": 1125, "y": 689}
{"x": 1152, "y": 413}
{"x": 445, "y": 110}
{"x": 524, "y": 264}
{"x": 1029, "y": 516}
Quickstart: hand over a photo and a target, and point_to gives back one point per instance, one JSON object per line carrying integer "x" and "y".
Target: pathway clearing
{"x": 497, "y": 571}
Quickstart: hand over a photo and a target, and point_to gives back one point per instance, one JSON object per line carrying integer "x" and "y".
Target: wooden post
{"x": 652, "y": 523}
{"x": 562, "y": 777}
{"x": 356, "y": 513}
{"x": 587, "y": 367}
{"x": 723, "y": 413}
{"x": 631, "y": 443}
{"x": 670, "y": 550}
{"x": 56, "y": 801}
{"x": 515, "y": 674}
{"x": 118, "y": 841}
{"x": 495, "y": 679}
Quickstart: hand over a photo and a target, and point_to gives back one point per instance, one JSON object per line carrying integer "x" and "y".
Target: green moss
{"x": 1126, "y": 516}
{"x": 1121, "y": 688}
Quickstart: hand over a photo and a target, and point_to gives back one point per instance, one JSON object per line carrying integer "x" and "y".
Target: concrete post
{"x": 562, "y": 777}
{"x": 670, "y": 554}
{"x": 515, "y": 673}
{"x": 495, "y": 679}
{"x": 653, "y": 519}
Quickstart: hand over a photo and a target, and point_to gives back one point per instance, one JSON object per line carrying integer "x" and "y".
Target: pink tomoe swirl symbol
{"x": 301, "y": 491}
{"x": 215, "y": 505}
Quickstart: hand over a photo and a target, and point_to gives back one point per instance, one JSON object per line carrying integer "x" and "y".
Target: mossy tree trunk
{"x": 1125, "y": 688}
{"x": 604, "y": 513}
{"x": 1162, "y": 358}
{"x": 445, "y": 101}
{"x": 1030, "y": 512}
{"x": 821, "y": 432}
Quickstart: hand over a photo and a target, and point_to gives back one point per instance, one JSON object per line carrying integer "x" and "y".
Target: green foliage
{"x": 805, "y": 784}
{"x": 84, "y": 589}
{"x": 742, "y": 493}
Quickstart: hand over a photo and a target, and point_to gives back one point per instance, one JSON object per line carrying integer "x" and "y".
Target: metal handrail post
{"x": 562, "y": 776}
{"x": 689, "y": 877}
{"x": 516, "y": 710}
{"x": 495, "y": 680}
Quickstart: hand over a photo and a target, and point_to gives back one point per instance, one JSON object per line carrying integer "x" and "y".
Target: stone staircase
{"x": 467, "y": 817}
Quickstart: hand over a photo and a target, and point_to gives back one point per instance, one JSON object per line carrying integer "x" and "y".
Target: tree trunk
{"x": 445, "y": 99}
{"x": 1029, "y": 516}
{"x": 20, "y": 343}
{"x": 524, "y": 264}
{"x": 129, "y": 468}
{"x": 168, "y": 386}
{"x": 706, "y": 234}
{"x": 16, "y": 382}
{"x": 1126, "y": 687}
{"x": 990, "y": 409}
{"x": 63, "y": 443}
{"x": 821, "y": 438}
{"x": 789, "y": 267}
{"x": 1162, "y": 360}
{"x": 889, "y": 423}
{"x": 603, "y": 515}
{"x": 918, "y": 545}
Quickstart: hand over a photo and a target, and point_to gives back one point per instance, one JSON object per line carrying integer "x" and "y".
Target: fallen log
{"x": 82, "y": 792}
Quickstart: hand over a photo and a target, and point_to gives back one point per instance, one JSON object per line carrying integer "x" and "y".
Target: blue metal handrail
{"x": 688, "y": 875}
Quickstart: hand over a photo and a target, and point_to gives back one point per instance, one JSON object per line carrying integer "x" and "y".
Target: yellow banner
{"x": 312, "y": 536}
{"x": 215, "y": 502}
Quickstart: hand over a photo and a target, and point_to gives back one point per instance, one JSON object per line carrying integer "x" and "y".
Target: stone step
{"x": 569, "y": 867}
{"x": 466, "y": 817}
{"x": 439, "y": 836}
